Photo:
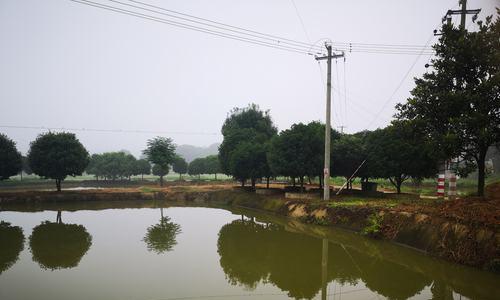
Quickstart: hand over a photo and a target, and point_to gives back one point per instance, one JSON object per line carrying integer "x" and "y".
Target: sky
{"x": 69, "y": 65}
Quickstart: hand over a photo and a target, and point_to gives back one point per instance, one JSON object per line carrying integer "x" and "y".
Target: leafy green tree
{"x": 348, "y": 152}
{"x": 459, "y": 100}
{"x": 212, "y": 165}
{"x": 10, "y": 158}
{"x": 160, "y": 152}
{"x": 245, "y": 130}
{"x": 249, "y": 160}
{"x": 95, "y": 166}
{"x": 158, "y": 170}
{"x": 57, "y": 155}
{"x": 197, "y": 167}
{"x": 12, "y": 241}
{"x": 180, "y": 165}
{"x": 143, "y": 167}
{"x": 401, "y": 151}
{"x": 298, "y": 152}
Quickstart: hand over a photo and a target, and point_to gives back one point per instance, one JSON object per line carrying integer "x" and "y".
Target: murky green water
{"x": 199, "y": 253}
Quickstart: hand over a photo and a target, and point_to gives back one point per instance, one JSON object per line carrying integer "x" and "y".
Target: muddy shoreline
{"x": 450, "y": 237}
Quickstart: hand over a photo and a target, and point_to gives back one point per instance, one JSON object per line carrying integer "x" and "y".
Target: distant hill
{"x": 190, "y": 152}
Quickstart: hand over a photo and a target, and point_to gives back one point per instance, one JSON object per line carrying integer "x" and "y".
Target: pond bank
{"x": 457, "y": 231}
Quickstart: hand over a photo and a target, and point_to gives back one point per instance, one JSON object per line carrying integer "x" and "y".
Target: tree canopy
{"x": 246, "y": 132}
{"x": 180, "y": 165}
{"x": 57, "y": 155}
{"x": 459, "y": 100}
{"x": 160, "y": 151}
{"x": 10, "y": 158}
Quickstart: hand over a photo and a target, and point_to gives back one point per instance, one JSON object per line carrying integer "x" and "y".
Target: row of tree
{"x": 252, "y": 149}
{"x": 453, "y": 113}
{"x": 58, "y": 155}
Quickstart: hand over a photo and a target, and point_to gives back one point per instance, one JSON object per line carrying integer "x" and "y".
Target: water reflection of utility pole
{"x": 324, "y": 267}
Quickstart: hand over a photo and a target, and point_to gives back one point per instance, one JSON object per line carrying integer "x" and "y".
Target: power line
{"x": 107, "y": 130}
{"x": 245, "y": 35}
{"x": 190, "y": 27}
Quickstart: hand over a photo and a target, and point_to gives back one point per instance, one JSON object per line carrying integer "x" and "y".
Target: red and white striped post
{"x": 452, "y": 186}
{"x": 440, "y": 186}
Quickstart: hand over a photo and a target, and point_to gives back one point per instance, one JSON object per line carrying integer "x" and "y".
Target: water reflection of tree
{"x": 161, "y": 237}
{"x": 11, "y": 244}
{"x": 58, "y": 245}
{"x": 251, "y": 252}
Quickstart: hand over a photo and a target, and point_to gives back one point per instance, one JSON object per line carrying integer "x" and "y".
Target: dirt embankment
{"x": 464, "y": 231}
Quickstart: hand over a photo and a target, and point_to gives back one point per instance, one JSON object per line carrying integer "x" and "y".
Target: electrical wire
{"x": 108, "y": 130}
{"x": 245, "y": 35}
{"x": 190, "y": 27}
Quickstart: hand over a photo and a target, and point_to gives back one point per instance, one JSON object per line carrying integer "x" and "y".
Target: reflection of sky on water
{"x": 257, "y": 260}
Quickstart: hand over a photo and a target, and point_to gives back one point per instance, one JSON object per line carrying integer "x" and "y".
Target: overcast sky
{"x": 64, "y": 64}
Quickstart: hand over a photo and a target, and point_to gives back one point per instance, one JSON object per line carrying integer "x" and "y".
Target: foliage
{"x": 348, "y": 152}
{"x": 142, "y": 167}
{"x": 399, "y": 152}
{"x": 160, "y": 151}
{"x": 113, "y": 165}
{"x": 12, "y": 243}
{"x": 246, "y": 132}
{"x": 459, "y": 101}
{"x": 212, "y": 164}
{"x": 161, "y": 237}
{"x": 10, "y": 158}
{"x": 374, "y": 225}
{"x": 158, "y": 170}
{"x": 180, "y": 165}
{"x": 26, "y": 165}
{"x": 57, "y": 155}
{"x": 58, "y": 246}
{"x": 196, "y": 167}
{"x": 298, "y": 151}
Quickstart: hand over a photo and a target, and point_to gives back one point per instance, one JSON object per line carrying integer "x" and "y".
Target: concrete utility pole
{"x": 326, "y": 171}
{"x": 463, "y": 12}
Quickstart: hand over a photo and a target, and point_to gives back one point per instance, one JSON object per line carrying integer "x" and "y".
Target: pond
{"x": 214, "y": 253}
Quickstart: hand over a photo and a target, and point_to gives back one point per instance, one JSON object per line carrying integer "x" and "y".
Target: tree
{"x": 143, "y": 167}
{"x": 197, "y": 167}
{"x": 180, "y": 165}
{"x": 459, "y": 101}
{"x": 160, "y": 151}
{"x": 57, "y": 155}
{"x": 245, "y": 130}
{"x": 158, "y": 170}
{"x": 10, "y": 158}
{"x": 212, "y": 165}
{"x": 348, "y": 153}
{"x": 401, "y": 151}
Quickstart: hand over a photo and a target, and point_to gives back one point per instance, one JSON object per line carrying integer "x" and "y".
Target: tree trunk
{"x": 253, "y": 183}
{"x": 309, "y": 178}
{"x": 180, "y": 176}
{"x": 161, "y": 180}
{"x": 242, "y": 182}
{"x": 320, "y": 181}
{"x": 215, "y": 176}
{"x": 142, "y": 177}
{"x": 481, "y": 172}
{"x": 301, "y": 183}
{"x": 293, "y": 181}
{"x": 21, "y": 175}
{"x": 267, "y": 185}
{"x": 58, "y": 184}
{"x": 59, "y": 217}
